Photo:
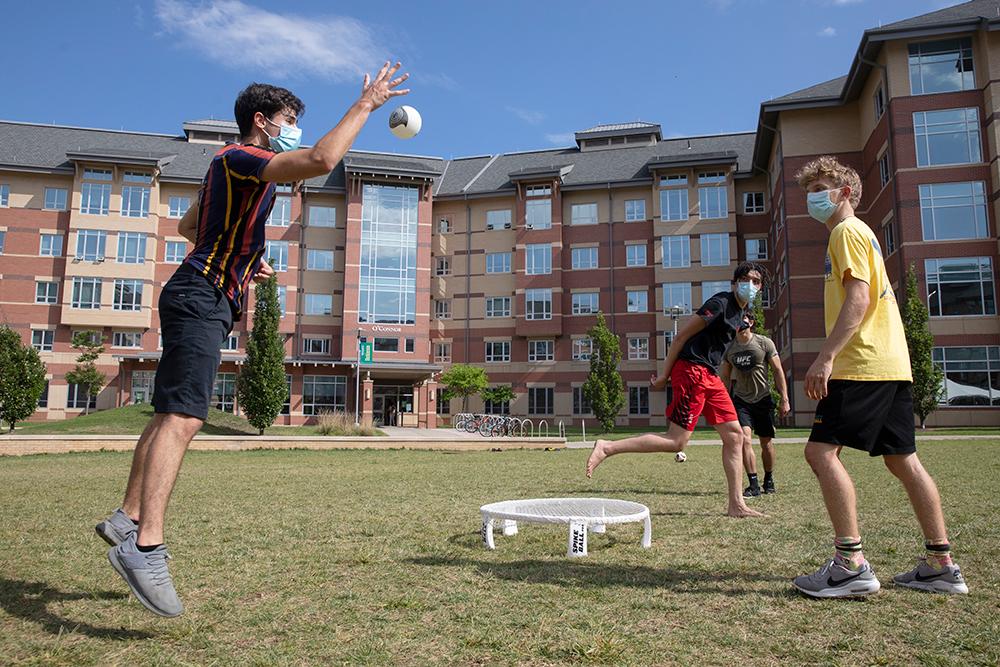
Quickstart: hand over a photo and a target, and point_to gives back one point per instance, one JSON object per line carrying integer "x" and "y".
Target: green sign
{"x": 366, "y": 353}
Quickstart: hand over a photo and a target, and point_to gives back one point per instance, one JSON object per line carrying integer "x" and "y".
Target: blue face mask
{"x": 747, "y": 292}
{"x": 820, "y": 206}
{"x": 289, "y": 138}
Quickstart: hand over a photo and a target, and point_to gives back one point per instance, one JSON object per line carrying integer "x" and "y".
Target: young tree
{"x": 604, "y": 387}
{"x": 927, "y": 377}
{"x": 90, "y": 345}
{"x": 464, "y": 380}
{"x": 22, "y": 378}
{"x": 261, "y": 387}
{"x": 498, "y": 395}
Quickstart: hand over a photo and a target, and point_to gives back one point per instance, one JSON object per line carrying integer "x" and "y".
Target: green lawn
{"x": 365, "y": 557}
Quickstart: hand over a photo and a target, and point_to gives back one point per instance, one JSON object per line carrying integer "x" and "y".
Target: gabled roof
{"x": 831, "y": 88}
{"x": 975, "y": 10}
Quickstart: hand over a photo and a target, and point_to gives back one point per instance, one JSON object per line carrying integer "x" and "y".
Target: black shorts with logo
{"x": 759, "y": 416}
{"x": 870, "y": 415}
{"x": 195, "y": 320}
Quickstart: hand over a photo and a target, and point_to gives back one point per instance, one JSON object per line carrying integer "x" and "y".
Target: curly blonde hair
{"x": 827, "y": 166}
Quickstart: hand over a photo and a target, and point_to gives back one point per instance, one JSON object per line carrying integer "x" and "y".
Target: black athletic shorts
{"x": 873, "y": 416}
{"x": 759, "y": 416}
{"x": 195, "y": 320}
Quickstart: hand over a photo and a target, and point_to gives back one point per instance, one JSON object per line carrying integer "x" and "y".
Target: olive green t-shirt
{"x": 749, "y": 362}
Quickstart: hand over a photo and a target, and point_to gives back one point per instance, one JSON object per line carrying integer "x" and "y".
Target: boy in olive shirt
{"x": 744, "y": 369}
{"x": 861, "y": 379}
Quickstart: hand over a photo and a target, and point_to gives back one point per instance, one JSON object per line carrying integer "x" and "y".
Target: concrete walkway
{"x": 579, "y": 444}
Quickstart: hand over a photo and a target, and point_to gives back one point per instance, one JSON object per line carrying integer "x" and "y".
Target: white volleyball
{"x": 405, "y": 122}
{"x": 680, "y": 457}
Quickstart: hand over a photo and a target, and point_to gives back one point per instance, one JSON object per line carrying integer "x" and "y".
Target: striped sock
{"x": 938, "y": 555}
{"x": 848, "y": 552}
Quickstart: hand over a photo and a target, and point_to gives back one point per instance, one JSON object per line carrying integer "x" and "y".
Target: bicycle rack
{"x": 546, "y": 429}
{"x": 531, "y": 427}
{"x": 562, "y": 429}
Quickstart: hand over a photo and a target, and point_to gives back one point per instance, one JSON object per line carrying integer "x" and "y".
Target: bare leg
{"x": 923, "y": 493}
{"x": 837, "y": 487}
{"x": 674, "y": 441}
{"x": 767, "y": 453}
{"x": 749, "y": 460}
{"x": 163, "y": 462}
{"x": 732, "y": 462}
{"x": 133, "y": 492}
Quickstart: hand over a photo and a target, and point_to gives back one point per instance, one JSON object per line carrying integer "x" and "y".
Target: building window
{"x": 947, "y": 137}
{"x": 90, "y": 244}
{"x": 442, "y": 309}
{"x": 638, "y": 301}
{"x": 498, "y": 306}
{"x": 496, "y": 408}
{"x": 128, "y": 294}
{"x": 323, "y": 393}
{"x": 282, "y": 298}
{"x": 971, "y": 375}
{"x": 286, "y": 408}
{"x": 582, "y": 349}
{"x": 95, "y": 197}
{"x": 497, "y": 220}
{"x": 889, "y": 236}
{"x": 883, "y": 169}
{"x": 677, "y": 294}
{"x": 753, "y": 202}
{"x": 757, "y": 250}
{"x": 224, "y": 392}
{"x": 322, "y": 216}
{"x": 86, "y": 293}
{"x": 586, "y": 303}
{"x": 635, "y": 254}
{"x": 3, "y": 240}
{"x": 538, "y": 304}
{"x": 780, "y": 222}
{"x": 4, "y": 195}
{"x": 386, "y": 344}
{"x": 538, "y": 213}
{"x": 497, "y": 351}
{"x": 960, "y": 286}
{"x": 79, "y": 398}
{"x": 135, "y": 198}
{"x": 541, "y": 400}
{"x": 55, "y": 199}
{"x": 879, "y": 100}
{"x": 538, "y": 259}
{"x": 387, "y": 289}
{"x": 715, "y": 249}
{"x": 953, "y": 211}
{"x": 638, "y": 349}
{"x": 710, "y": 288}
{"x": 765, "y": 295}
{"x": 50, "y": 245}
{"x": 315, "y": 345}
{"x": 131, "y": 339}
{"x": 42, "y": 339}
{"x": 177, "y": 206}
{"x": 142, "y": 386}
{"x": 276, "y": 253}
{"x": 409, "y": 346}
{"x": 442, "y": 353}
{"x": 541, "y": 350}
{"x": 583, "y": 214}
{"x": 319, "y": 260}
{"x": 231, "y": 344}
{"x": 713, "y": 202}
{"x": 581, "y": 404}
{"x": 444, "y": 226}
{"x": 635, "y": 210}
{"x": 443, "y": 407}
{"x": 442, "y": 267}
{"x": 318, "y": 304}
{"x": 498, "y": 262}
{"x": 638, "y": 401}
{"x": 174, "y": 252}
{"x": 676, "y": 251}
{"x": 584, "y": 258}
{"x": 941, "y": 66}
{"x": 674, "y": 203}
{"x": 131, "y": 248}
{"x": 46, "y": 292}
{"x": 281, "y": 212}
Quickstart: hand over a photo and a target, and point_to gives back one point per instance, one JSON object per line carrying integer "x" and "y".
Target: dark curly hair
{"x": 266, "y": 99}
{"x": 745, "y": 268}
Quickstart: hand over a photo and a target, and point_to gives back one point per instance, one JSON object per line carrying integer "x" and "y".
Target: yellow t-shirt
{"x": 877, "y": 351}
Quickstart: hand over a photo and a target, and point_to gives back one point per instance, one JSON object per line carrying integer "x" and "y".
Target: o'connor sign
{"x": 382, "y": 329}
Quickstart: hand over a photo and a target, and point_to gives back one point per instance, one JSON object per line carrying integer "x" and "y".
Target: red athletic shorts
{"x": 697, "y": 391}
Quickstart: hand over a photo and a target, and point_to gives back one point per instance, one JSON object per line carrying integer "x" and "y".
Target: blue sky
{"x": 487, "y": 77}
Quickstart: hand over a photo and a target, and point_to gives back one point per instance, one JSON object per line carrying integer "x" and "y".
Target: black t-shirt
{"x": 723, "y": 317}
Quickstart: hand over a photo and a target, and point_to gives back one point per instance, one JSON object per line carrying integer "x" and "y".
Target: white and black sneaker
{"x": 833, "y": 580}
{"x": 923, "y": 577}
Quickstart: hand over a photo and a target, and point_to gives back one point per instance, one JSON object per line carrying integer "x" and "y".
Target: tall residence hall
{"x": 502, "y": 261}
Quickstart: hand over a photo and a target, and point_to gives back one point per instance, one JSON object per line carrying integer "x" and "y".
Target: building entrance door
{"x": 389, "y": 401}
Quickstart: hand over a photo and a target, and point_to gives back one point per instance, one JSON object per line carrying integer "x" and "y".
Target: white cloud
{"x": 238, "y": 35}
{"x": 528, "y": 116}
{"x": 828, "y": 31}
{"x": 841, "y": 3}
{"x": 561, "y": 138}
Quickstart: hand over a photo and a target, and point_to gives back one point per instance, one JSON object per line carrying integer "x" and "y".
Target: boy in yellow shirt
{"x": 861, "y": 379}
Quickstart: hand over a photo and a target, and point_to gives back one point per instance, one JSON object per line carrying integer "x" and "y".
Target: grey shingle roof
{"x": 460, "y": 172}
{"x": 967, "y": 11}
{"x": 614, "y": 127}
{"x": 831, "y": 88}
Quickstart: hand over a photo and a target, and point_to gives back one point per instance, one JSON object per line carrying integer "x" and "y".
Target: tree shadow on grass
{"x": 29, "y": 600}
{"x": 576, "y": 574}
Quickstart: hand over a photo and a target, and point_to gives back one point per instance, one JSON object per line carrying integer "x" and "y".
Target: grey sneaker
{"x": 116, "y": 528}
{"x": 836, "y": 581}
{"x": 146, "y": 574}
{"x": 923, "y": 577}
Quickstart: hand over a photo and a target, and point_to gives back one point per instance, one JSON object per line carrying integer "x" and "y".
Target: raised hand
{"x": 382, "y": 89}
